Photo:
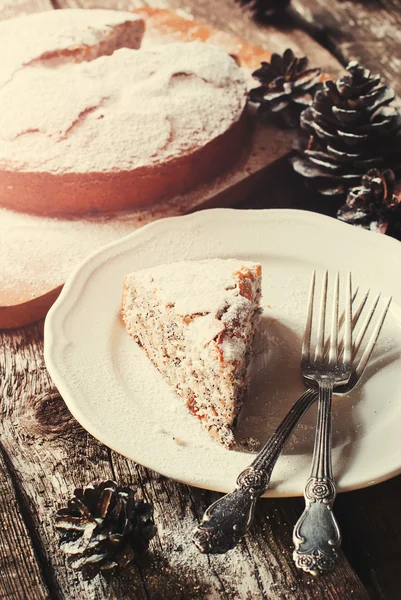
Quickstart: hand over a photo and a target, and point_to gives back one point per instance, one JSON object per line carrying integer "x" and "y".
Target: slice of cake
{"x": 196, "y": 321}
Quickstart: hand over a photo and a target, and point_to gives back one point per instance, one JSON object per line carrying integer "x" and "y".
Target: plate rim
{"x": 65, "y": 302}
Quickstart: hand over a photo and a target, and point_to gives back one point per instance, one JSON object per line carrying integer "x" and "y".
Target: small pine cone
{"x": 287, "y": 86}
{"x": 351, "y": 127}
{"x": 266, "y": 8}
{"x": 375, "y": 204}
{"x": 104, "y": 528}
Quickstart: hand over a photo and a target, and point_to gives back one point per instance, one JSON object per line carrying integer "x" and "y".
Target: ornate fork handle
{"x": 316, "y": 535}
{"x": 230, "y": 517}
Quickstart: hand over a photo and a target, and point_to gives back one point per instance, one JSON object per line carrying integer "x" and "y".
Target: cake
{"x": 196, "y": 320}
{"x": 90, "y": 122}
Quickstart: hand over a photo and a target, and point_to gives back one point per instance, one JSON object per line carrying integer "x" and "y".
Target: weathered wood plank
{"x": 371, "y": 528}
{"x": 20, "y": 574}
{"x": 369, "y": 32}
{"x": 261, "y": 567}
{"x": 50, "y": 455}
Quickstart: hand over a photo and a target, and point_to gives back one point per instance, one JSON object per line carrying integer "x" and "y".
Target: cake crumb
{"x": 249, "y": 443}
{"x": 179, "y": 441}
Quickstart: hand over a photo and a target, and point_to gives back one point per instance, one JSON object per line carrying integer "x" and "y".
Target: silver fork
{"x": 226, "y": 521}
{"x": 316, "y": 535}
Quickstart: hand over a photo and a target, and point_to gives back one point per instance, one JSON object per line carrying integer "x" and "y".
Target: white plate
{"x": 119, "y": 398}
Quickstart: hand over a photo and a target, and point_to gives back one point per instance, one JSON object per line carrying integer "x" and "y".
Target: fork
{"x": 317, "y": 535}
{"x": 226, "y": 521}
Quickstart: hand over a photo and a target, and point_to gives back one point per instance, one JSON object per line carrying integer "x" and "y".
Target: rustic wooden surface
{"x": 49, "y": 455}
{"x": 368, "y": 31}
{"x": 45, "y": 454}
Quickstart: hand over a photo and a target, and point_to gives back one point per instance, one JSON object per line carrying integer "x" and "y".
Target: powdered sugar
{"x": 34, "y": 37}
{"x": 205, "y": 328}
{"x": 122, "y": 111}
{"x": 233, "y": 349}
{"x": 212, "y": 283}
{"x": 38, "y": 253}
{"x": 236, "y": 570}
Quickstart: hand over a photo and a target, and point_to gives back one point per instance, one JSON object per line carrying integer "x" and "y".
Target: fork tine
{"x": 357, "y": 313}
{"x": 322, "y": 317}
{"x": 365, "y": 325}
{"x": 347, "y": 356}
{"x": 333, "y": 353}
{"x": 372, "y": 342}
{"x": 308, "y": 326}
{"x": 355, "y": 318}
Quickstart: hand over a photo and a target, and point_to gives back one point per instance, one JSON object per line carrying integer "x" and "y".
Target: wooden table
{"x": 45, "y": 454}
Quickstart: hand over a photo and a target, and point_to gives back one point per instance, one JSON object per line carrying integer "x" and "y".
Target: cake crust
{"x": 69, "y": 194}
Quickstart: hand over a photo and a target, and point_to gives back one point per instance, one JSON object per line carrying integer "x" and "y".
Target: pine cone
{"x": 104, "y": 527}
{"x": 287, "y": 87}
{"x": 266, "y": 8}
{"x": 375, "y": 204}
{"x": 351, "y": 128}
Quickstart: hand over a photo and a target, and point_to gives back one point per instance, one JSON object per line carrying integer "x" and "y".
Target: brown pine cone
{"x": 375, "y": 204}
{"x": 351, "y": 127}
{"x": 287, "y": 86}
{"x": 104, "y": 528}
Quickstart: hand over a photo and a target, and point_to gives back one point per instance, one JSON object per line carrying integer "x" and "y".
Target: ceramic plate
{"x": 112, "y": 390}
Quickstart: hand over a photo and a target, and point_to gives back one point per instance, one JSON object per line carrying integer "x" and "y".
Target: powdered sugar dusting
{"x": 135, "y": 108}
{"x": 194, "y": 287}
{"x": 185, "y": 558}
{"x": 38, "y": 253}
{"x": 36, "y": 36}
{"x": 233, "y": 349}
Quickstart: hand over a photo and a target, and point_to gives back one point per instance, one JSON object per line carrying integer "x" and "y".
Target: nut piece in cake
{"x": 196, "y": 321}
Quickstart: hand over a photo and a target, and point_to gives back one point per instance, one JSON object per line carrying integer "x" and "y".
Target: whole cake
{"x": 196, "y": 320}
{"x": 90, "y": 123}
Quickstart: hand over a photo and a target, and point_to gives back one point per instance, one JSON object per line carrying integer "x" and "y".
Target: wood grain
{"x": 371, "y": 528}
{"x": 366, "y": 31}
{"x": 45, "y": 454}
{"x": 50, "y": 455}
{"x": 20, "y": 574}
